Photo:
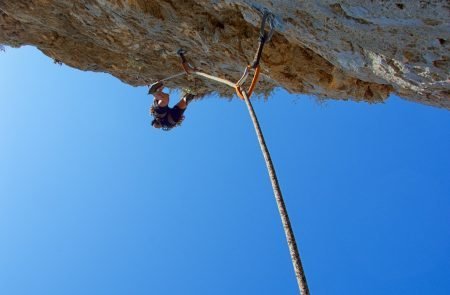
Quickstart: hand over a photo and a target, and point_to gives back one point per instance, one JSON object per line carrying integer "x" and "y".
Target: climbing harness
{"x": 268, "y": 20}
{"x": 163, "y": 116}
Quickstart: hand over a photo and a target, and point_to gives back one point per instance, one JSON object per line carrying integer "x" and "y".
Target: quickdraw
{"x": 264, "y": 37}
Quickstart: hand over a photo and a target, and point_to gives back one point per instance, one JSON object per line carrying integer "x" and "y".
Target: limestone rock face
{"x": 347, "y": 49}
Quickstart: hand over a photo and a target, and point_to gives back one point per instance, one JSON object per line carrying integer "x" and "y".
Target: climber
{"x": 166, "y": 117}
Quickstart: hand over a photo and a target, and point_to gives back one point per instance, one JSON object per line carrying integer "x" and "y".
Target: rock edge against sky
{"x": 360, "y": 50}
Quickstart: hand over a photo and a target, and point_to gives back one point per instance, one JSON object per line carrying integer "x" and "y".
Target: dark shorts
{"x": 170, "y": 116}
{"x": 176, "y": 113}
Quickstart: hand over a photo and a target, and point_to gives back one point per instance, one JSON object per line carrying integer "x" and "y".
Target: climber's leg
{"x": 185, "y": 100}
{"x": 176, "y": 113}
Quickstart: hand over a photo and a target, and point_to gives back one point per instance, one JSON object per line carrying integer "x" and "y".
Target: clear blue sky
{"x": 95, "y": 201}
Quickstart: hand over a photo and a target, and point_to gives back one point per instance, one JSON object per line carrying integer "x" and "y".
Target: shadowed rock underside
{"x": 359, "y": 50}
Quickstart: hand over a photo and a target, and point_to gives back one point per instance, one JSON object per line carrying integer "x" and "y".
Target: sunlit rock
{"x": 359, "y": 50}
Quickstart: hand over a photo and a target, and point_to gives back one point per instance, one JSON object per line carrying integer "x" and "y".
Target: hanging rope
{"x": 264, "y": 36}
{"x": 290, "y": 237}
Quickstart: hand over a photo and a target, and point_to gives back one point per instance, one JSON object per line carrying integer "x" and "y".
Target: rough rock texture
{"x": 349, "y": 49}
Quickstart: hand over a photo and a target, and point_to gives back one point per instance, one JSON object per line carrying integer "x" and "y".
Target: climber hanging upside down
{"x": 166, "y": 117}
